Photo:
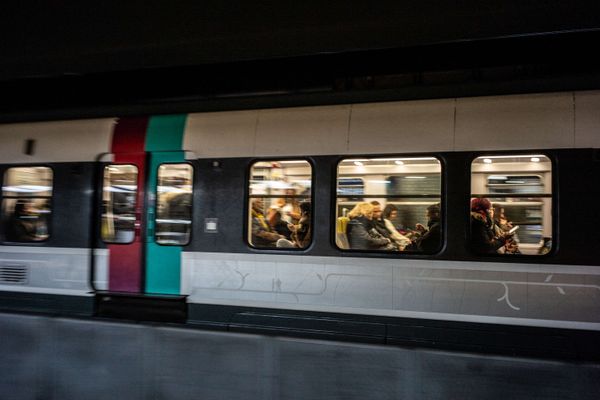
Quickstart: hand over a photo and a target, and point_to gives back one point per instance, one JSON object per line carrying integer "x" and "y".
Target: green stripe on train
{"x": 163, "y": 143}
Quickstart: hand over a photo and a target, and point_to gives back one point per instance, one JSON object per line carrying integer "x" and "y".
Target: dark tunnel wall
{"x": 44, "y": 39}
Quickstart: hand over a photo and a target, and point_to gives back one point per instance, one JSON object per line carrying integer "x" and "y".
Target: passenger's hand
{"x": 420, "y": 227}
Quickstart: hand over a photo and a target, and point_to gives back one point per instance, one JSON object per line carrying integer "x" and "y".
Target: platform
{"x": 46, "y": 357}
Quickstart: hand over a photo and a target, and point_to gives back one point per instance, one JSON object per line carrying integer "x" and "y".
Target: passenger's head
{"x": 433, "y": 212}
{"x": 24, "y": 207}
{"x": 361, "y": 210}
{"x": 390, "y": 212}
{"x": 280, "y": 202}
{"x": 258, "y": 205}
{"x": 481, "y": 206}
{"x": 305, "y": 207}
{"x": 376, "y": 209}
{"x": 498, "y": 211}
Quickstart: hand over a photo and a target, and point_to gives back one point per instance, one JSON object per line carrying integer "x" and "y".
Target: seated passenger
{"x": 262, "y": 234}
{"x": 24, "y": 224}
{"x": 484, "y": 239}
{"x": 290, "y": 210}
{"x": 386, "y": 227}
{"x": 501, "y": 225}
{"x": 279, "y": 225}
{"x": 301, "y": 232}
{"x": 390, "y": 212}
{"x": 430, "y": 238}
{"x": 377, "y": 221}
{"x": 361, "y": 232}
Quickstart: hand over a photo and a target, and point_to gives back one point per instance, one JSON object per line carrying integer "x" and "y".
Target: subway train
{"x": 250, "y": 220}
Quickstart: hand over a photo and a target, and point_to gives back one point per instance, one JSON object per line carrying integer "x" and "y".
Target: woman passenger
{"x": 484, "y": 238}
{"x": 503, "y": 225}
{"x": 360, "y": 232}
{"x": 390, "y": 213}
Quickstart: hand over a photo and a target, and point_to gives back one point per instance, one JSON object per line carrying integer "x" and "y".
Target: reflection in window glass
{"x": 389, "y": 204}
{"x": 118, "y": 203}
{"x": 280, "y": 204}
{"x": 26, "y": 196}
{"x": 511, "y": 204}
{"x": 174, "y": 204}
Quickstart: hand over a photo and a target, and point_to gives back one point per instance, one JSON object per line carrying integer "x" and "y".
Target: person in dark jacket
{"x": 301, "y": 232}
{"x": 431, "y": 238}
{"x": 24, "y": 224}
{"x": 361, "y": 232}
{"x": 484, "y": 238}
{"x": 262, "y": 235}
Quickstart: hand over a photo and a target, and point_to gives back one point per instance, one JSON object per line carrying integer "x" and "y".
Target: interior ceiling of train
{"x": 137, "y": 53}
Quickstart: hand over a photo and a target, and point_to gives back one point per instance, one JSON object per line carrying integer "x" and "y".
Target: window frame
{"x": 554, "y": 204}
{"x": 134, "y": 205}
{"x": 192, "y": 205}
{"x": 247, "y": 197}
{"x": 384, "y": 253}
{"x": 50, "y": 201}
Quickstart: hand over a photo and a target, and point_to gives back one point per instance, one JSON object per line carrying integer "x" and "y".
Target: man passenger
{"x": 262, "y": 234}
{"x": 387, "y": 231}
{"x": 429, "y": 242}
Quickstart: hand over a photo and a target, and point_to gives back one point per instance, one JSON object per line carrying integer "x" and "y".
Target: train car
{"x": 354, "y": 222}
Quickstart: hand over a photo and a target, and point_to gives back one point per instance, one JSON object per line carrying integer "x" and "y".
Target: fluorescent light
{"x": 399, "y": 162}
{"x": 535, "y": 159}
{"x": 358, "y": 163}
{"x": 487, "y": 160}
{"x": 415, "y": 177}
{"x": 517, "y": 156}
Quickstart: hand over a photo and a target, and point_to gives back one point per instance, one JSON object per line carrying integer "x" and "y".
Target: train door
{"x": 146, "y": 205}
{"x": 123, "y": 196}
{"x": 169, "y": 219}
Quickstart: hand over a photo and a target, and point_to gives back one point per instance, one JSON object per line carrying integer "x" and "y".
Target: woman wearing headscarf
{"x": 485, "y": 238}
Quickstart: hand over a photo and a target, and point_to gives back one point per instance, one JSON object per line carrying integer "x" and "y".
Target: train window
{"x": 389, "y": 204}
{"x": 280, "y": 204}
{"x": 26, "y": 196}
{"x": 119, "y": 197}
{"x": 174, "y": 204}
{"x": 511, "y": 204}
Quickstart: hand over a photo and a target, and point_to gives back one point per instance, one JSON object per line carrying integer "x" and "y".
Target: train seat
{"x": 341, "y": 239}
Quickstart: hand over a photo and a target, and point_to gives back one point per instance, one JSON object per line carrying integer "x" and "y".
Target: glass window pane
{"x": 174, "y": 204}
{"x": 119, "y": 197}
{"x": 511, "y": 204}
{"x": 389, "y": 204}
{"x": 280, "y": 204}
{"x": 26, "y": 208}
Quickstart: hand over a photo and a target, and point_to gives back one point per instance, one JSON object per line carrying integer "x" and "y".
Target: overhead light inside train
{"x": 516, "y": 156}
{"x": 487, "y": 160}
